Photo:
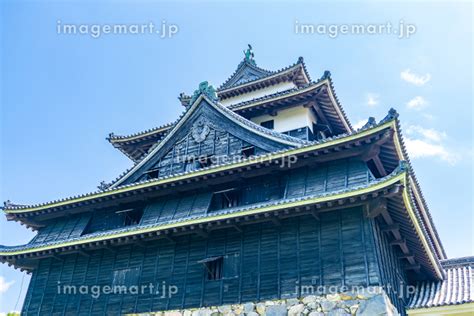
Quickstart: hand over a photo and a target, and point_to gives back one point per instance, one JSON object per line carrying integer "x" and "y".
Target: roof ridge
{"x": 214, "y": 102}
{"x": 240, "y": 66}
{"x": 270, "y": 72}
{"x": 113, "y": 137}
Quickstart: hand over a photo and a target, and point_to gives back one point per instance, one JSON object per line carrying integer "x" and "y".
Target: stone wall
{"x": 368, "y": 302}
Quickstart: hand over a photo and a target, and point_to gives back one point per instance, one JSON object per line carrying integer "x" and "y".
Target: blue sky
{"x": 62, "y": 94}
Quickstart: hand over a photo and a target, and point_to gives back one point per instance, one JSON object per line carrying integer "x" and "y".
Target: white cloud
{"x": 429, "y": 116}
{"x": 417, "y": 80}
{"x": 4, "y": 286}
{"x": 418, "y": 148}
{"x": 372, "y": 99}
{"x": 359, "y": 124}
{"x": 417, "y": 103}
{"x": 427, "y": 142}
{"x": 428, "y": 133}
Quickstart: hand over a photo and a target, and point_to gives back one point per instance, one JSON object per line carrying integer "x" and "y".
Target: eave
{"x": 320, "y": 95}
{"x": 296, "y": 74}
{"x": 115, "y": 139}
{"x": 135, "y": 146}
{"x": 226, "y": 114}
{"x": 393, "y": 187}
{"x": 390, "y": 153}
{"x": 327, "y": 148}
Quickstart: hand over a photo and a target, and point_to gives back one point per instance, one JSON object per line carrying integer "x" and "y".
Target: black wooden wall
{"x": 392, "y": 273}
{"x": 325, "y": 178}
{"x": 339, "y": 249}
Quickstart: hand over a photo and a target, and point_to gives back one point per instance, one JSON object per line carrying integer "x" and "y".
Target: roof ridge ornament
{"x": 184, "y": 99}
{"x": 206, "y": 89}
{"x": 103, "y": 186}
{"x": 370, "y": 123}
{"x": 326, "y": 75}
{"x": 249, "y": 55}
{"x": 9, "y": 205}
{"x": 403, "y": 165}
{"x": 391, "y": 115}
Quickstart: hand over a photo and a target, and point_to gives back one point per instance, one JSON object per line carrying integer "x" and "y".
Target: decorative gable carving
{"x": 203, "y": 146}
{"x": 200, "y": 130}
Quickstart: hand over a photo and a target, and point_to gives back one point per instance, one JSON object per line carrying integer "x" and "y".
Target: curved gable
{"x": 207, "y": 134}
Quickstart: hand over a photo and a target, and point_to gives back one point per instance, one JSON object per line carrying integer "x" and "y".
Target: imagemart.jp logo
{"x": 162, "y": 30}
{"x": 401, "y": 30}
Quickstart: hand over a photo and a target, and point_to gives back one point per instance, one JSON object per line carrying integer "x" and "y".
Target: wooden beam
{"x": 406, "y": 256}
{"x": 376, "y": 207}
{"x": 398, "y": 242}
{"x": 371, "y": 153}
{"x": 378, "y": 164}
{"x": 389, "y": 228}
{"x": 415, "y": 267}
{"x": 321, "y": 115}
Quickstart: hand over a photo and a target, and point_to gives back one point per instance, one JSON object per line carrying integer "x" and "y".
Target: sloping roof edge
{"x": 18, "y": 209}
{"x": 264, "y": 132}
{"x": 248, "y": 209}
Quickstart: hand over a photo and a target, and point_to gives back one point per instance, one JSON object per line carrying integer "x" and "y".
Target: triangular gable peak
{"x": 246, "y": 71}
{"x": 207, "y": 134}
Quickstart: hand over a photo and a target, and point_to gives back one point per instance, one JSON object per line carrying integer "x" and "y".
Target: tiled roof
{"x": 273, "y": 95}
{"x": 119, "y": 140}
{"x": 32, "y": 244}
{"x": 456, "y": 288}
{"x": 441, "y": 252}
{"x": 11, "y": 206}
{"x": 245, "y": 64}
{"x": 326, "y": 76}
{"x": 265, "y": 73}
{"x": 297, "y": 142}
{"x": 112, "y": 137}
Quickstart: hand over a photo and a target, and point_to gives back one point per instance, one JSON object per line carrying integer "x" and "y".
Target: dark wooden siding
{"x": 329, "y": 177}
{"x": 391, "y": 270}
{"x": 267, "y": 261}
